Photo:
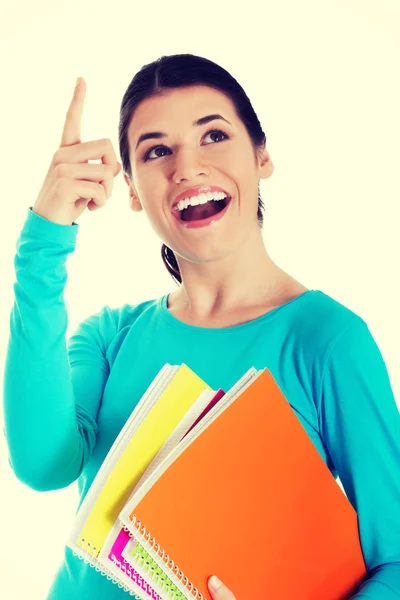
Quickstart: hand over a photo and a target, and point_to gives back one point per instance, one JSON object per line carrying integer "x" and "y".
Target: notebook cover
{"x": 122, "y": 538}
{"x": 170, "y": 408}
{"x": 252, "y": 501}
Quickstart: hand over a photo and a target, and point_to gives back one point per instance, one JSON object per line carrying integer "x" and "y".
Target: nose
{"x": 189, "y": 166}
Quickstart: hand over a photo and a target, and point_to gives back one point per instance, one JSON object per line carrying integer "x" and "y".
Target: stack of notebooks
{"x": 202, "y": 482}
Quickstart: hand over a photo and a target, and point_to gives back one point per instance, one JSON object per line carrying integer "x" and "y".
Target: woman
{"x": 187, "y": 130}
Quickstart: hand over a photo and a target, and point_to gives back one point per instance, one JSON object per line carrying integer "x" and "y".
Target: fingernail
{"x": 215, "y": 583}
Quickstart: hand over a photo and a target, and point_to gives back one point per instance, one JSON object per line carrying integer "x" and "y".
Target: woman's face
{"x": 185, "y": 155}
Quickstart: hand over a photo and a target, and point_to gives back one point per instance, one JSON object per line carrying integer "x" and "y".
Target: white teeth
{"x": 200, "y": 199}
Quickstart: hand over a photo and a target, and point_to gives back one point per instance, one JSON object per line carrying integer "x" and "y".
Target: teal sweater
{"x": 65, "y": 402}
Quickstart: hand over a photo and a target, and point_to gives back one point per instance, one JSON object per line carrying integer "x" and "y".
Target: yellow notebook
{"x": 162, "y": 407}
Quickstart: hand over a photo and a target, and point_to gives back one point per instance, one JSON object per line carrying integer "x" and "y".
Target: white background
{"x": 323, "y": 79}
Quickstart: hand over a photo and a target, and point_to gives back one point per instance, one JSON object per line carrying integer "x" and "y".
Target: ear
{"x": 266, "y": 168}
{"x": 134, "y": 202}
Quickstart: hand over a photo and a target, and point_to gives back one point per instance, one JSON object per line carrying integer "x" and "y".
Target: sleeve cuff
{"x": 45, "y": 229}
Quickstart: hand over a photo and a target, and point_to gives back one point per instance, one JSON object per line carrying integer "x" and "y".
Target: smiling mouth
{"x": 203, "y": 211}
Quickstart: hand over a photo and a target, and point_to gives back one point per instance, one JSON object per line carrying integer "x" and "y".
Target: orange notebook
{"x": 252, "y": 501}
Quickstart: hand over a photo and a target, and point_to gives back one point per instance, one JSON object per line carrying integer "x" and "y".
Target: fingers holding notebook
{"x": 219, "y": 591}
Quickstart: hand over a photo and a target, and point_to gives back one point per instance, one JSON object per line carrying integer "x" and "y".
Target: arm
{"x": 52, "y": 392}
{"x": 360, "y": 425}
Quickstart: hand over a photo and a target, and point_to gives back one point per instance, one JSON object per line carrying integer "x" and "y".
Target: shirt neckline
{"x": 162, "y": 305}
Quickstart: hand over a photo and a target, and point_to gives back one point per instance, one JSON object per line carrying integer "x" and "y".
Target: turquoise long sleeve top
{"x": 66, "y": 401}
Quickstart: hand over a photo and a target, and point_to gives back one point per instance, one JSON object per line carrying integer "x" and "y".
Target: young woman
{"x": 193, "y": 152}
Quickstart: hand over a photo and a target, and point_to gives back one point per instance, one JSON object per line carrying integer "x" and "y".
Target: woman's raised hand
{"x": 71, "y": 183}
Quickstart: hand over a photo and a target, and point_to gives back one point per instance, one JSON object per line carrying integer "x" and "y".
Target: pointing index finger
{"x": 72, "y": 128}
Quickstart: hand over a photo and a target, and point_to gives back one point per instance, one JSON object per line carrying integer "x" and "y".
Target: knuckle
{"x": 103, "y": 190}
{"x": 107, "y": 182}
{"x": 111, "y": 149}
{"x": 56, "y": 158}
{"x": 107, "y": 191}
{"x": 60, "y": 170}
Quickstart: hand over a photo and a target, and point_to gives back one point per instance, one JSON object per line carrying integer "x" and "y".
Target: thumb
{"x": 218, "y": 590}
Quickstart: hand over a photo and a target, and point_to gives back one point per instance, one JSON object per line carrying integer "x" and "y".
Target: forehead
{"x": 181, "y": 106}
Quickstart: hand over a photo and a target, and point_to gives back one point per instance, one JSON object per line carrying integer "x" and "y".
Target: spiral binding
{"x": 156, "y": 573}
{"x": 122, "y": 566}
{"x": 152, "y": 548}
{"x": 91, "y": 550}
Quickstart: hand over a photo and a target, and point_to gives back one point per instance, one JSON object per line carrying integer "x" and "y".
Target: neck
{"x": 246, "y": 277}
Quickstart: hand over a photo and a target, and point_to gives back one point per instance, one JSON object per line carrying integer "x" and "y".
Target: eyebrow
{"x": 158, "y": 134}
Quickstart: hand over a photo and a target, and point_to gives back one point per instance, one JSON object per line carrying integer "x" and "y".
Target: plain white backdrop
{"x": 323, "y": 79}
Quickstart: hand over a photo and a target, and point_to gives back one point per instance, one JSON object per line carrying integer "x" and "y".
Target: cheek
{"x": 153, "y": 200}
{"x": 237, "y": 164}
{"x": 153, "y": 209}
{"x": 143, "y": 182}
{"x": 151, "y": 192}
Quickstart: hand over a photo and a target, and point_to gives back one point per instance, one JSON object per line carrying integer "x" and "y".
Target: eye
{"x": 147, "y": 157}
{"x": 218, "y": 132}
{"x": 147, "y": 154}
